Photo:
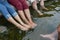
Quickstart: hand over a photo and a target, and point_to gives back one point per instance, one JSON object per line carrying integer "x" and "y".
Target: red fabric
{"x": 19, "y": 4}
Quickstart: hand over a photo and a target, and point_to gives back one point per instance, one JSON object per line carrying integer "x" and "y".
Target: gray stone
{"x": 50, "y": 12}
{"x": 3, "y": 29}
{"x": 57, "y": 8}
{"x": 56, "y": 0}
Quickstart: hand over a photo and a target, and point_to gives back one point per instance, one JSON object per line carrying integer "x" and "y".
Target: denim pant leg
{"x": 10, "y": 9}
{"x": 4, "y": 11}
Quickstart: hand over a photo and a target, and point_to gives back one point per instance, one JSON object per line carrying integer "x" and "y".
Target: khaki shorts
{"x": 29, "y": 2}
{"x": 32, "y": 1}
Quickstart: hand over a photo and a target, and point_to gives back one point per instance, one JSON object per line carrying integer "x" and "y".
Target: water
{"x": 46, "y": 24}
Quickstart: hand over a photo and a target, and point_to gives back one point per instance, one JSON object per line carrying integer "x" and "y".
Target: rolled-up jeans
{"x": 7, "y": 10}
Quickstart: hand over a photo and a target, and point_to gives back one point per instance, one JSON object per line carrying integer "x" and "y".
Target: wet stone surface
{"x": 3, "y": 29}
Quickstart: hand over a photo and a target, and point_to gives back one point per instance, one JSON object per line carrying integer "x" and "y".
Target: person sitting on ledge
{"x": 23, "y": 10}
{"x": 35, "y": 7}
{"x": 8, "y": 11}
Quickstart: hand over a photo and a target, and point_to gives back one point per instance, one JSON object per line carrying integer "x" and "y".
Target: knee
{"x": 2, "y": 7}
{"x": 14, "y": 14}
{"x": 34, "y": 4}
{"x": 42, "y": 3}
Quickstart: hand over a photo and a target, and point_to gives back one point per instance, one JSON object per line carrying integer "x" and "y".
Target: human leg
{"x": 27, "y": 12}
{"x": 34, "y": 5}
{"x": 9, "y": 18}
{"x": 19, "y": 7}
{"x": 42, "y": 5}
{"x": 15, "y": 15}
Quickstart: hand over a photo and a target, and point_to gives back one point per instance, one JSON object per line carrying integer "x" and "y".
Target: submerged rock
{"x": 57, "y": 8}
{"x": 3, "y": 29}
{"x": 50, "y": 12}
{"x": 56, "y": 0}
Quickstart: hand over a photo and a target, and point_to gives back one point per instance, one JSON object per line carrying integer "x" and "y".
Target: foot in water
{"x": 39, "y": 12}
{"x": 44, "y": 8}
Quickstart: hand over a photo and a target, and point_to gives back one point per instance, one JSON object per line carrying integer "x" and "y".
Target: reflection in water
{"x": 47, "y": 24}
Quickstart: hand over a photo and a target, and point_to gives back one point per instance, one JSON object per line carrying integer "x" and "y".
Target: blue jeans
{"x": 7, "y": 10}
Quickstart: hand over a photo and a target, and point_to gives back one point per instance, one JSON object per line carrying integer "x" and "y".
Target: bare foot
{"x": 39, "y": 13}
{"x": 27, "y": 26}
{"x": 43, "y": 7}
{"x": 48, "y": 36}
{"x": 33, "y": 25}
{"x": 22, "y": 28}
